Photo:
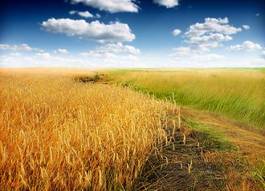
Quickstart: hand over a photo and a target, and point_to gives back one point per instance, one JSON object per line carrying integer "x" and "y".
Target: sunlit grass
{"x": 209, "y": 137}
{"x": 73, "y": 132}
{"x": 239, "y": 94}
{"x": 59, "y": 134}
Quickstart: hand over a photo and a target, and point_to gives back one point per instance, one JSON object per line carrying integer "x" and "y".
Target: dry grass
{"x": 57, "y": 134}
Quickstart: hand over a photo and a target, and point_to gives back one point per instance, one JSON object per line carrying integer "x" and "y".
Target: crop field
{"x": 85, "y": 130}
{"x": 57, "y": 134}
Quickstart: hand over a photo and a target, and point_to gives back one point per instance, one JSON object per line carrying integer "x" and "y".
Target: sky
{"x": 132, "y": 33}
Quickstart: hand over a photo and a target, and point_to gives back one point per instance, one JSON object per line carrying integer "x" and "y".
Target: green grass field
{"x": 237, "y": 93}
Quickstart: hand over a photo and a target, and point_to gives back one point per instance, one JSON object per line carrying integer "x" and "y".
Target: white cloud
{"x": 182, "y": 57}
{"x": 112, "y": 50}
{"x": 182, "y": 51}
{"x": 176, "y": 32}
{"x": 246, "y": 46}
{"x": 62, "y": 51}
{"x": 98, "y": 15}
{"x": 43, "y": 60}
{"x": 112, "y": 6}
{"x": 72, "y": 12}
{"x": 85, "y": 14}
{"x": 107, "y": 55}
{"x": 211, "y": 33}
{"x": 167, "y": 3}
{"x": 193, "y": 56}
{"x": 246, "y": 27}
{"x": 21, "y": 47}
{"x": 113, "y": 32}
{"x": 114, "y": 55}
{"x": 43, "y": 55}
{"x": 187, "y": 57}
{"x": 202, "y": 39}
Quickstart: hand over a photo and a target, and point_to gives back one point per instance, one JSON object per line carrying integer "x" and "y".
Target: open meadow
{"x": 236, "y": 93}
{"x": 79, "y": 130}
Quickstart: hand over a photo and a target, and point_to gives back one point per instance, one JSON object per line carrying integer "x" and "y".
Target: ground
{"x": 229, "y": 167}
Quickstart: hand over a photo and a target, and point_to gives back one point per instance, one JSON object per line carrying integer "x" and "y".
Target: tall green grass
{"x": 238, "y": 94}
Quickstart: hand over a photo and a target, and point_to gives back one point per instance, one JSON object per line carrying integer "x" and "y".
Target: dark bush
{"x": 90, "y": 79}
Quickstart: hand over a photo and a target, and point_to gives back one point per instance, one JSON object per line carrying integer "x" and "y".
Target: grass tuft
{"x": 209, "y": 137}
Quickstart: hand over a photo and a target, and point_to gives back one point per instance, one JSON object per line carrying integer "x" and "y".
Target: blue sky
{"x": 132, "y": 33}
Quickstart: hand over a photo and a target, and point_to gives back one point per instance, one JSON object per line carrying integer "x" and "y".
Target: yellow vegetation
{"x": 59, "y": 134}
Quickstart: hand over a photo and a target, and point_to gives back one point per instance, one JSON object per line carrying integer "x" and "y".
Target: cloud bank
{"x": 20, "y": 47}
{"x": 105, "y": 55}
{"x": 113, "y": 49}
{"x": 246, "y": 46}
{"x": 95, "y": 30}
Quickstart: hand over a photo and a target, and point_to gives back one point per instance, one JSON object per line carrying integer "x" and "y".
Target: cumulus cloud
{"x": 202, "y": 39}
{"x": 42, "y": 60}
{"x": 21, "y": 47}
{"x": 98, "y": 15}
{"x": 43, "y": 55}
{"x": 85, "y": 14}
{"x": 167, "y": 3}
{"x": 211, "y": 33}
{"x": 114, "y": 54}
{"x": 194, "y": 58}
{"x": 182, "y": 51}
{"x": 72, "y": 12}
{"x": 246, "y": 46}
{"x": 61, "y": 51}
{"x": 113, "y": 49}
{"x": 190, "y": 55}
{"x": 112, "y": 6}
{"x": 246, "y": 27}
{"x": 95, "y": 30}
{"x": 106, "y": 55}
{"x": 176, "y": 32}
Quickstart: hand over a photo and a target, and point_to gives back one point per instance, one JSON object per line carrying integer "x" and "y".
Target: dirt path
{"x": 251, "y": 144}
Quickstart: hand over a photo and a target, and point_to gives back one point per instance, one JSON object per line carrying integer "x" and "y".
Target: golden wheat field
{"x": 56, "y": 134}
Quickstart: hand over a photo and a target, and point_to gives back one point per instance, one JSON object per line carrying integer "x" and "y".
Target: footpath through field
{"x": 251, "y": 144}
